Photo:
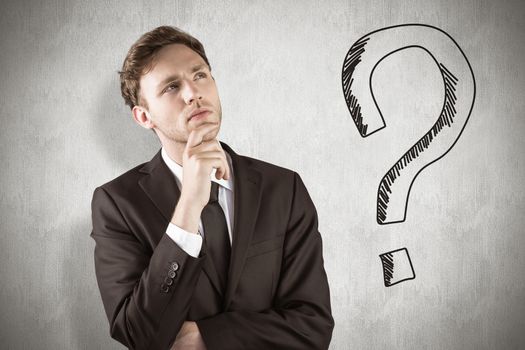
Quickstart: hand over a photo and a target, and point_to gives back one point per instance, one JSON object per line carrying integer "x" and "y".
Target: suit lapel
{"x": 247, "y": 196}
{"x": 161, "y": 188}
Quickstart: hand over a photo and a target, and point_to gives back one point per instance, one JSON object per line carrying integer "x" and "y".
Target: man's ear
{"x": 142, "y": 117}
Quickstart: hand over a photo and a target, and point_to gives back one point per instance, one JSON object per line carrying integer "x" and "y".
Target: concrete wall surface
{"x": 65, "y": 130}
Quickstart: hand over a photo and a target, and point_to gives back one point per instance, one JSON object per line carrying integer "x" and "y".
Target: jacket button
{"x": 168, "y": 281}
{"x": 174, "y": 266}
{"x": 172, "y": 274}
{"x": 164, "y": 288}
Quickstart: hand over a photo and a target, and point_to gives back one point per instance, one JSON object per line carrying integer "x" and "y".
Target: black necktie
{"x": 216, "y": 237}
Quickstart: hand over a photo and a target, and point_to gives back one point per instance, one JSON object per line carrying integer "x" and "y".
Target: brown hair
{"x": 139, "y": 59}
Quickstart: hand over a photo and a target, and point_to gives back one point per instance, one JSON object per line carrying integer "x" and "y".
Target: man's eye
{"x": 201, "y": 75}
{"x": 172, "y": 87}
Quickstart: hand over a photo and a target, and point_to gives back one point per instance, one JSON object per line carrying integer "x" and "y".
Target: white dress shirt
{"x": 190, "y": 242}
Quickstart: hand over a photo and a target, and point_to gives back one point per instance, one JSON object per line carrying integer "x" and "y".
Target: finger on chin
{"x": 197, "y": 135}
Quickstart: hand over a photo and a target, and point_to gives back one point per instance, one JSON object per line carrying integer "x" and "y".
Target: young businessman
{"x": 202, "y": 248}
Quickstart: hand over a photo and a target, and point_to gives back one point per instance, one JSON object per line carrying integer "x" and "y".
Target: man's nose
{"x": 191, "y": 93}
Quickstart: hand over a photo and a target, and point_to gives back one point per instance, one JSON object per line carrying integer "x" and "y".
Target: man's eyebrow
{"x": 198, "y": 67}
{"x": 175, "y": 77}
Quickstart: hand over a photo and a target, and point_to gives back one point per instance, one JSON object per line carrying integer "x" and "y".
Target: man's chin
{"x": 214, "y": 132}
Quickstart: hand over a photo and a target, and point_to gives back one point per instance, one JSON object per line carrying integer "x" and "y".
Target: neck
{"x": 174, "y": 150}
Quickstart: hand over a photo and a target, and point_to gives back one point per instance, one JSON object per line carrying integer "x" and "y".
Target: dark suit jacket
{"x": 277, "y": 294}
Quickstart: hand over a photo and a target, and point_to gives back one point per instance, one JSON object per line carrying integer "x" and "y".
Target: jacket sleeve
{"x": 301, "y": 314}
{"x": 146, "y": 294}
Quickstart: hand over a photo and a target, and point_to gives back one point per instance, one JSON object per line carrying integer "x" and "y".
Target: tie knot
{"x": 214, "y": 193}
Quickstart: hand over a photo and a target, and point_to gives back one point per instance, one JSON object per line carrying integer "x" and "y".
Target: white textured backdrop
{"x": 65, "y": 130}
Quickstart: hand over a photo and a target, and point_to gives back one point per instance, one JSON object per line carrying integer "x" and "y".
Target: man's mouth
{"x": 199, "y": 113}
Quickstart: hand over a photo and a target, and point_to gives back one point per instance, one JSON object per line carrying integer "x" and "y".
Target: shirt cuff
{"x": 191, "y": 243}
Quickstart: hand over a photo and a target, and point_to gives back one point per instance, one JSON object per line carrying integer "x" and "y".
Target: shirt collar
{"x": 176, "y": 169}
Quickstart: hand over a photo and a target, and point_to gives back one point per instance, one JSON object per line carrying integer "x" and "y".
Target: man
{"x": 201, "y": 248}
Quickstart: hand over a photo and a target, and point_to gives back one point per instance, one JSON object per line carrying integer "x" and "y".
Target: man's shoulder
{"x": 268, "y": 169}
{"x": 126, "y": 181}
{"x": 266, "y": 165}
{"x": 276, "y": 179}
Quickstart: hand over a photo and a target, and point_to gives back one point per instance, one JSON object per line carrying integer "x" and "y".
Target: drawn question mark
{"x": 459, "y": 94}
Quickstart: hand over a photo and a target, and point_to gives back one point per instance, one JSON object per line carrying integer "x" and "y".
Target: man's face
{"x": 179, "y": 83}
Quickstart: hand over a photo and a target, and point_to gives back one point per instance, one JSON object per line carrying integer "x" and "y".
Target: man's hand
{"x": 188, "y": 338}
{"x": 198, "y": 160}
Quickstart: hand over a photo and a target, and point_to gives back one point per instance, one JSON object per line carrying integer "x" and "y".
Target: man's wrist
{"x": 186, "y": 216}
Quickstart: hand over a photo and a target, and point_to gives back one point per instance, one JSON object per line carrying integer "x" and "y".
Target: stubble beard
{"x": 182, "y": 137}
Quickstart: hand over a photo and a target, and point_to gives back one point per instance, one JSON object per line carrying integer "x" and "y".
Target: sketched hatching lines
{"x": 397, "y": 267}
{"x": 446, "y": 117}
{"x": 352, "y": 59}
{"x": 388, "y": 267}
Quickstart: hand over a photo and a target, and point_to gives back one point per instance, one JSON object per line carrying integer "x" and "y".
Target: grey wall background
{"x": 65, "y": 130}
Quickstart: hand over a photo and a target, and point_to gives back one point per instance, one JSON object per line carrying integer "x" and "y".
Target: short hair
{"x": 141, "y": 55}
